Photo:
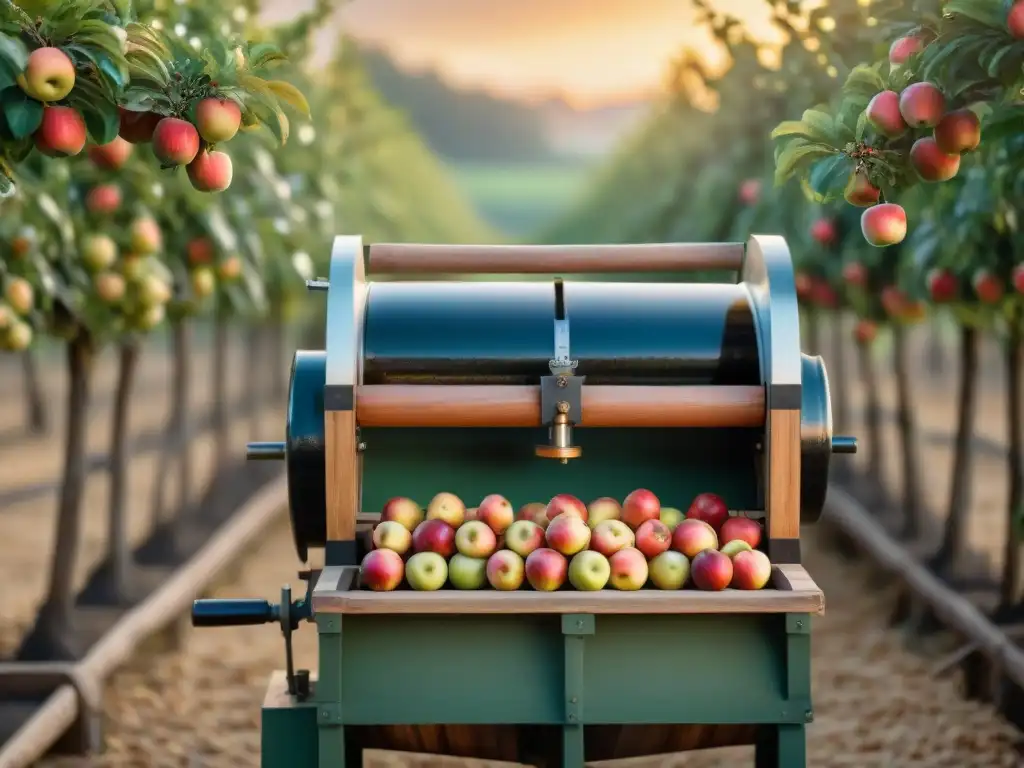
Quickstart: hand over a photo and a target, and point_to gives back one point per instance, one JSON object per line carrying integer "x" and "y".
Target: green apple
{"x": 669, "y": 570}
{"x": 734, "y": 547}
{"x": 671, "y": 517}
{"x": 467, "y": 572}
{"x": 426, "y": 571}
{"x": 589, "y": 571}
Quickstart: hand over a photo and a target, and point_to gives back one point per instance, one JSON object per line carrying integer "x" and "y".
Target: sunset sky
{"x": 588, "y": 51}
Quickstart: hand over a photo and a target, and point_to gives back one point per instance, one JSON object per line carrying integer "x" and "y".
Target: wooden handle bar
{"x": 427, "y": 405}
{"x": 414, "y": 258}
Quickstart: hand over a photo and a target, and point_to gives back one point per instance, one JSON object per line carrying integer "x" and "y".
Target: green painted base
{"x": 551, "y": 690}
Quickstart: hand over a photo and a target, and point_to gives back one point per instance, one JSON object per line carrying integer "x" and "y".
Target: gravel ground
{"x": 877, "y": 704}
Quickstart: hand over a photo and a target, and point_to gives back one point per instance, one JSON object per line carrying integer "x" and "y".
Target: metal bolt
{"x": 562, "y": 406}
{"x": 361, "y": 447}
{"x": 799, "y": 624}
{"x": 573, "y": 700}
{"x": 572, "y": 718}
{"x": 562, "y": 382}
{"x": 809, "y": 716}
{"x": 579, "y": 624}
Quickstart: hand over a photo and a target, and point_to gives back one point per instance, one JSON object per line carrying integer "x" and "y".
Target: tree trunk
{"x": 935, "y": 354}
{"x": 839, "y": 379}
{"x": 176, "y": 442}
{"x": 256, "y": 371}
{"x": 279, "y": 367}
{"x": 909, "y": 465}
{"x": 118, "y": 547}
{"x": 38, "y": 423}
{"x": 960, "y": 484}
{"x": 221, "y": 422}
{"x": 1008, "y": 591}
{"x": 52, "y": 637}
{"x": 872, "y": 422}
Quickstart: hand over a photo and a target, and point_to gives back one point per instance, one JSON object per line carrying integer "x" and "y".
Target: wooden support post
{"x": 783, "y": 500}
{"x": 342, "y": 457}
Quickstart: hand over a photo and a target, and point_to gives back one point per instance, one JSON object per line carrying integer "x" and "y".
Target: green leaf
{"x": 22, "y": 114}
{"x": 13, "y": 54}
{"x": 102, "y": 121}
{"x": 987, "y": 13}
{"x": 265, "y": 56}
{"x": 290, "y": 95}
{"x": 828, "y": 177}
{"x": 864, "y": 80}
{"x": 797, "y": 154}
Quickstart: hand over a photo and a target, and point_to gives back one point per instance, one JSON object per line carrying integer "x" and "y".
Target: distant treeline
{"x": 461, "y": 125}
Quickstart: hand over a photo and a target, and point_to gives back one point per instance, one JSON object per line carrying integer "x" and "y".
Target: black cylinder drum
{"x": 503, "y": 333}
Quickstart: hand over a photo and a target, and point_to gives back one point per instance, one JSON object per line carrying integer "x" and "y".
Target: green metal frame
{"x": 572, "y": 671}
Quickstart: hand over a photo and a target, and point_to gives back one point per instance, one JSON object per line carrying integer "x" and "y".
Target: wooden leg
{"x": 781, "y": 746}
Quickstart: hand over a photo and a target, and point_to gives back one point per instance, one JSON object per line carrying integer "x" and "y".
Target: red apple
{"x": 987, "y": 287}
{"x": 103, "y": 199}
{"x": 750, "y": 191}
{"x": 392, "y": 535}
{"x": 710, "y": 508}
{"x": 447, "y": 507}
{"x": 505, "y": 570}
{"x": 942, "y": 285}
{"x": 112, "y": 155}
{"x": 230, "y": 269}
{"x": 137, "y": 127}
{"x": 599, "y": 510}
{"x": 535, "y": 512}
{"x": 200, "y": 251}
{"x": 652, "y": 538}
{"x": 565, "y": 502}
{"x": 546, "y": 569}
{"x": 741, "y": 528}
{"x": 567, "y": 533}
{"x": 611, "y": 536}
{"x": 381, "y": 570}
{"x": 523, "y": 537}
{"x": 210, "y": 171}
{"x": 751, "y": 570}
{"x": 110, "y": 287}
{"x": 824, "y": 231}
{"x": 175, "y": 141}
{"x": 475, "y": 539}
{"x": 496, "y": 511}
{"x": 404, "y": 511}
{"x": 434, "y": 536}
{"x": 218, "y": 119}
{"x": 641, "y": 505}
{"x": 693, "y": 536}
{"x": 711, "y": 570}
{"x": 61, "y": 133}
{"x": 629, "y": 569}
{"x": 856, "y": 274}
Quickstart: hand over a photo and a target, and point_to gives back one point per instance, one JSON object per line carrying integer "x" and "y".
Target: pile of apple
{"x": 546, "y": 546}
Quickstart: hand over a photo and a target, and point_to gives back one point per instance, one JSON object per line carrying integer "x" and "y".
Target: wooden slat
{"x": 417, "y": 258}
{"x": 784, "y": 480}
{"x": 426, "y": 405}
{"x": 386, "y": 758}
{"x": 342, "y": 465}
{"x": 784, "y": 597}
